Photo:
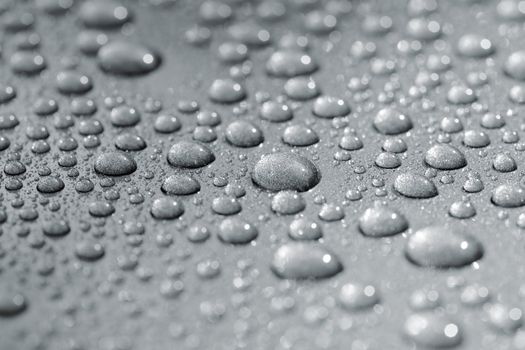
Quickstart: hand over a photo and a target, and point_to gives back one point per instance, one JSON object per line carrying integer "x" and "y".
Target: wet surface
{"x": 302, "y": 174}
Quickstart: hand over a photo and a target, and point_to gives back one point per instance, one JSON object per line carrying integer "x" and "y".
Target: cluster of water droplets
{"x": 269, "y": 174}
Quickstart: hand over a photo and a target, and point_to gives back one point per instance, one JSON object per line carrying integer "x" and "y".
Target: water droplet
{"x": 355, "y": 296}
{"x": 382, "y": 221}
{"x": 445, "y": 157}
{"x": 187, "y": 154}
{"x": 127, "y": 58}
{"x": 180, "y": 184}
{"x": 508, "y": 196}
{"x": 432, "y": 329}
{"x": 244, "y": 134}
{"x": 103, "y": 14}
{"x": 115, "y": 164}
{"x": 330, "y": 107}
{"x": 442, "y": 247}
{"x": 237, "y": 231}
{"x": 166, "y": 208}
{"x": 226, "y": 91}
{"x": 288, "y": 203}
{"x": 299, "y": 136}
{"x": 12, "y": 304}
{"x": 415, "y": 186}
{"x": 514, "y": 65}
{"x": 389, "y": 121}
{"x": 290, "y": 63}
{"x": 305, "y": 261}
{"x": 475, "y": 46}
{"x": 285, "y": 171}
{"x": 305, "y": 229}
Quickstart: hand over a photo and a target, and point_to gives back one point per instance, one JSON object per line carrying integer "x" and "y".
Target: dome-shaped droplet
{"x": 89, "y": 250}
{"x": 27, "y": 62}
{"x": 331, "y": 212}
{"x": 304, "y": 229}
{"x": 504, "y": 318}
{"x": 215, "y": 12}
{"x": 504, "y": 163}
{"x": 225, "y": 205}
{"x": 166, "y": 208}
{"x": 462, "y": 209}
{"x": 460, "y": 95}
{"x": 250, "y": 33}
{"x": 124, "y": 116}
{"x": 11, "y": 304}
{"x": 180, "y": 184}
{"x": 54, "y": 7}
{"x": 415, "y": 186}
{"x": 389, "y": 121}
{"x": 115, "y": 164}
{"x": 492, "y": 121}
{"x": 300, "y": 260}
{"x": 100, "y": 209}
{"x": 434, "y": 330}
{"x": 50, "y": 184}
{"x": 7, "y": 93}
{"x": 226, "y": 91}
{"x": 90, "y": 41}
{"x": 241, "y": 133}
{"x": 289, "y": 63}
{"x": 288, "y": 203}
{"x": 330, "y": 107}
{"x": 232, "y": 52}
{"x": 355, "y": 296}
{"x": 167, "y": 124}
{"x": 387, "y": 160}
{"x": 276, "y": 112}
{"x": 517, "y": 94}
{"x": 285, "y": 171}
{"x": 320, "y": 22}
{"x": 475, "y": 139}
{"x": 508, "y": 196}
{"x": 394, "y": 145}
{"x": 299, "y": 136}
{"x": 514, "y": 65}
{"x": 445, "y": 157}
{"x": 451, "y": 124}
{"x": 442, "y": 247}
{"x": 475, "y": 46}
{"x": 350, "y": 143}
{"x": 382, "y": 221}
{"x": 130, "y": 142}
{"x": 55, "y": 228}
{"x": 127, "y": 58}
{"x": 301, "y": 88}
{"x": 421, "y": 28}
{"x": 510, "y": 10}
{"x": 237, "y": 231}
{"x": 72, "y": 82}
{"x": 187, "y": 154}
{"x": 103, "y": 14}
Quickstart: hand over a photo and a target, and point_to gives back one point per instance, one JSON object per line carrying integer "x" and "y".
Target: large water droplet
{"x": 508, "y": 196}
{"x": 442, "y": 247}
{"x": 115, "y": 164}
{"x": 445, "y": 157}
{"x": 382, "y": 221}
{"x": 415, "y": 186}
{"x": 127, "y": 58}
{"x": 305, "y": 261}
{"x": 285, "y": 171}
{"x": 432, "y": 329}
{"x": 187, "y": 154}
